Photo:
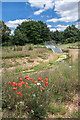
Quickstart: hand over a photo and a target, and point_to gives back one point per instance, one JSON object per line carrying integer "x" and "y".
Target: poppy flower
{"x": 26, "y": 77}
{"x": 35, "y": 82}
{"x": 76, "y": 104}
{"x": 32, "y": 81}
{"x": 21, "y": 79}
{"x": 20, "y": 85}
{"x": 19, "y": 93}
{"x": 46, "y": 83}
{"x": 14, "y": 88}
{"x": 39, "y": 79}
{"x": 14, "y": 83}
{"x": 9, "y": 82}
{"x": 29, "y": 86}
{"x": 30, "y": 78}
{"x": 42, "y": 88}
{"x": 26, "y": 83}
{"x": 22, "y": 82}
{"x": 46, "y": 79}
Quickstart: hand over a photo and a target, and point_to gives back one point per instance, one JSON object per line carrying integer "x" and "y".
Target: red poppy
{"x": 42, "y": 88}
{"x": 35, "y": 82}
{"x": 26, "y": 77}
{"x": 14, "y": 83}
{"x": 46, "y": 79}
{"x": 9, "y": 82}
{"x": 21, "y": 79}
{"x": 14, "y": 88}
{"x": 26, "y": 83}
{"x": 32, "y": 81}
{"x": 39, "y": 79}
{"x": 29, "y": 86}
{"x": 19, "y": 93}
{"x": 22, "y": 82}
{"x": 46, "y": 83}
{"x": 30, "y": 78}
{"x": 76, "y": 104}
{"x": 20, "y": 85}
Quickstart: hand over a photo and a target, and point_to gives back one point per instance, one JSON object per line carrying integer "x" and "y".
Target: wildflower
{"x": 14, "y": 88}
{"x": 9, "y": 82}
{"x": 32, "y": 81}
{"x": 22, "y": 82}
{"x": 35, "y": 82}
{"x": 21, "y": 79}
{"x": 30, "y": 78}
{"x": 42, "y": 88}
{"x": 14, "y": 83}
{"x": 76, "y": 104}
{"x": 29, "y": 86}
{"x": 38, "y": 84}
{"x": 46, "y": 83}
{"x": 19, "y": 93}
{"x": 46, "y": 79}
{"x": 26, "y": 83}
{"x": 20, "y": 85}
{"x": 26, "y": 77}
{"x": 39, "y": 79}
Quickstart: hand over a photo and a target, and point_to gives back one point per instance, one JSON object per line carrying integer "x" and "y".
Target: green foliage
{"x": 69, "y": 35}
{"x": 37, "y": 32}
{"x": 31, "y": 32}
{"x": 4, "y": 32}
{"x": 19, "y": 38}
{"x": 55, "y": 109}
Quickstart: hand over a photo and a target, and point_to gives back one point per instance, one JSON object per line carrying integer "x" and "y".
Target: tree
{"x": 72, "y": 33}
{"x": 19, "y": 38}
{"x": 4, "y": 32}
{"x": 56, "y": 36}
{"x": 35, "y": 32}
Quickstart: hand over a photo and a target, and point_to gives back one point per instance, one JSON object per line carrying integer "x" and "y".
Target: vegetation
{"x": 37, "y": 32}
{"x": 37, "y": 82}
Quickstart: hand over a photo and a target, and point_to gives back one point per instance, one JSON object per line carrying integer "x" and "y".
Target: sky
{"x": 57, "y": 14}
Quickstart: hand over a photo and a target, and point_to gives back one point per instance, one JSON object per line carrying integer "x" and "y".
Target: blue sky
{"x": 57, "y": 14}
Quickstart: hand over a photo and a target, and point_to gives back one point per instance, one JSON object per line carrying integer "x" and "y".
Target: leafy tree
{"x": 35, "y": 32}
{"x": 19, "y": 38}
{"x": 72, "y": 33}
{"x": 56, "y": 36}
{"x": 4, "y": 32}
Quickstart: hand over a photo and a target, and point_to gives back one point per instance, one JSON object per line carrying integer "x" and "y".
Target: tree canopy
{"x": 34, "y": 32}
{"x": 4, "y": 32}
{"x": 37, "y": 32}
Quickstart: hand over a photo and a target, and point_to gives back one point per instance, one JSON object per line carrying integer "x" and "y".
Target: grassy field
{"x": 58, "y": 99}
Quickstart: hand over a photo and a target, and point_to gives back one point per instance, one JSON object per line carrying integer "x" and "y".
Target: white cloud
{"x": 42, "y": 4}
{"x": 12, "y": 32}
{"x": 67, "y": 10}
{"x": 59, "y": 28}
{"x": 38, "y": 12}
{"x": 53, "y": 29}
{"x": 14, "y": 24}
{"x": 49, "y": 26}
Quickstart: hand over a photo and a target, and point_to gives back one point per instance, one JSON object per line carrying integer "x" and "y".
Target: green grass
{"x": 55, "y": 109}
